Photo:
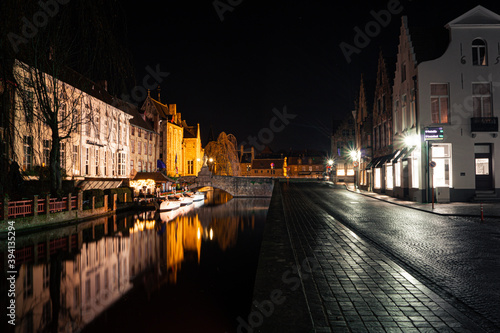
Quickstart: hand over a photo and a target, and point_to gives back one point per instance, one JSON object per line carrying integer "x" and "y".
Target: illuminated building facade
{"x": 179, "y": 144}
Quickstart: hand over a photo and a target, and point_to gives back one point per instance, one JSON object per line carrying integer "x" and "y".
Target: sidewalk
{"x": 464, "y": 209}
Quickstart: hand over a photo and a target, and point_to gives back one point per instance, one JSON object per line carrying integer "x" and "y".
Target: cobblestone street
{"x": 378, "y": 267}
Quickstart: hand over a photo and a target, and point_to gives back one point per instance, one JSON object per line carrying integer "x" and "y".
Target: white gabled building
{"x": 454, "y": 93}
{"x": 457, "y": 92}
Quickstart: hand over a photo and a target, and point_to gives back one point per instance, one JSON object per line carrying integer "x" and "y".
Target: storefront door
{"x": 483, "y": 167}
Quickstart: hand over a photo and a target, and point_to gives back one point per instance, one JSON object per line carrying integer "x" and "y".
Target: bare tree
{"x": 45, "y": 44}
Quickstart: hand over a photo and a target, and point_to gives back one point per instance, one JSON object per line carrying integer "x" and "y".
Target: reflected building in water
{"x": 68, "y": 278}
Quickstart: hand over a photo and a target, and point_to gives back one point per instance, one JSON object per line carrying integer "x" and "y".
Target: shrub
{"x": 87, "y": 198}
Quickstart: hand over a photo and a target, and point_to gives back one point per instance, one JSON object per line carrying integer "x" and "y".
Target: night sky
{"x": 265, "y": 55}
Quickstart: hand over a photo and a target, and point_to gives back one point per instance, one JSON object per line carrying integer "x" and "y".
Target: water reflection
{"x": 69, "y": 277}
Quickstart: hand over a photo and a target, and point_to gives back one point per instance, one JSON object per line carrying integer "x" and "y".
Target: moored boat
{"x": 168, "y": 205}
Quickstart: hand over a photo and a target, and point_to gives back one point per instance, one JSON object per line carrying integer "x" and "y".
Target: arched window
{"x": 479, "y": 52}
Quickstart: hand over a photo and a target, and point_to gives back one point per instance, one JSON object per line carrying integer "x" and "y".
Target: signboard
{"x": 432, "y": 164}
{"x": 433, "y": 133}
{"x": 355, "y": 163}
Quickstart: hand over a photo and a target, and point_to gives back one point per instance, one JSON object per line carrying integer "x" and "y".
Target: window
{"x": 139, "y": 166}
{"x": 397, "y": 174}
{"x": 190, "y": 167}
{"x": 150, "y": 148}
{"x": 139, "y": 132}
{"x": 404, "y": 116}
{"x": 132, "y": 130}
{"x": 412, "y": 109}
{"x": 481, "y": 100}
{"x": 482, "y": 166}
{"x": 27, "y": 153}
{"x": 28, "y": 282}
{"x": 62, "y": 148}
{"x": 377, "y": 178}
{"x": 396, "y": 116}
{"x": 121, "y": 164}
{"x": 145, "y": 148}
{"x": 389, "y": 180}
{"x": 441, "y": 155}
{"x": 76, "y": 160}
{"x": 96, "y": 161}
{"x": 439, "y": 103}
{"x": 151, "y": 136}
{"x": 479, "y": 54}
{"x": 46, "y": 153}
{"x": 131, "y": 165}
{"x": 403, "y": 72}
{"x": 28, "y": 105}
{"x": 97, "y": 128}
{"x": 87, "y": 158}
{"x": 132, "y": 146}
{"x": 46, "y": 276}
{"x": 112, "y": 164}
{"x": 139, "y": 147}
{"x": 47, "y": 312}
{"x": 105, "y": 163}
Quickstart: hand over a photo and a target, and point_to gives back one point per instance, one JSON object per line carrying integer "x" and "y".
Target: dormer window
{"x": 479, "y": 54}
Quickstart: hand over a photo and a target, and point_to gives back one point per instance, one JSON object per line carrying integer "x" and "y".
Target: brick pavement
{"x": 346, "y": 284}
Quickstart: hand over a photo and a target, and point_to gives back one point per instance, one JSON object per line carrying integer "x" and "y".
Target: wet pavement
{"x": 334, "y": 260}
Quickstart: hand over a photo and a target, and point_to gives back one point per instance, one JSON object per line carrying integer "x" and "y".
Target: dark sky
{"x": 231, "y": 74}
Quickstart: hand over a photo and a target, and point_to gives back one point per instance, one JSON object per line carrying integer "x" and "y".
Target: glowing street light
{"x": 412, "y": 140}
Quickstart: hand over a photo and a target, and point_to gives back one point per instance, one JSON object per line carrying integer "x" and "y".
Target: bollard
{"x": 482, "y": 216}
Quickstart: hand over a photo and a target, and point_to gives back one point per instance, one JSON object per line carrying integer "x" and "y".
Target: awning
{"x": 400, "y": 154}
{"x": 408, "y": 153}
{"x": 384, "y": 159}
{"x": 372, "y": 163}
{"x": 158, "y": 177}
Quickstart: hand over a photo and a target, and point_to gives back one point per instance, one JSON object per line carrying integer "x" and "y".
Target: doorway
{"x": 483, "y": 166}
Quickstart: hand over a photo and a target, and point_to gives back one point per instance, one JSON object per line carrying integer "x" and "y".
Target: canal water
{"x": 189, "y": 270}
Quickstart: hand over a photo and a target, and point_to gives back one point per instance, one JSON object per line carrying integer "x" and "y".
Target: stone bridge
{"x": 238, "y": 187}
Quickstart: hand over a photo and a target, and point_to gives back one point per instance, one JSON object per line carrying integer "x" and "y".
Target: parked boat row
{"x": 175, "y": 201}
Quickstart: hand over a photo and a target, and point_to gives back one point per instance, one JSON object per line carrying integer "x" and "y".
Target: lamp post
{"x": 355, "y": 156}
{"x": 330, "y": 167}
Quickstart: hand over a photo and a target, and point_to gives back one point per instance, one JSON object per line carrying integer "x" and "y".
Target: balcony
{"x": 484, "y": 124}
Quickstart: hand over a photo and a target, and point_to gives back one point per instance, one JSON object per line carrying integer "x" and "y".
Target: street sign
{"x": 433, "y": 133}
{"x": 355, "y": 163}
{"x": 432, "y": 164}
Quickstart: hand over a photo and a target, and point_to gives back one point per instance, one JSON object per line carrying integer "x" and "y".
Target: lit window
{"x": 388, "y": 180}
{"x": 439, "y": 103}
{"x": 397, "y": 174}
{"x": 377, "y": 178}
{"x": 479, "y": 54}
{"x": 481, "y": 100}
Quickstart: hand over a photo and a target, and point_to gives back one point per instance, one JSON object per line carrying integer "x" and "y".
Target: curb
{"x": 420, "y": 209}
